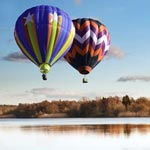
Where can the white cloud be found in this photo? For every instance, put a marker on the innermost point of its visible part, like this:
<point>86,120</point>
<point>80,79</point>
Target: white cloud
<point>115,52</point>
<point>55,93</point>
<point>36,95</point>
<point>134,78</point>
<point>39,94</point>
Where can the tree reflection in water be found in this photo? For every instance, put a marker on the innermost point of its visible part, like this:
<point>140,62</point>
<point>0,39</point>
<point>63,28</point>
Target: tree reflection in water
<point>116,130</point>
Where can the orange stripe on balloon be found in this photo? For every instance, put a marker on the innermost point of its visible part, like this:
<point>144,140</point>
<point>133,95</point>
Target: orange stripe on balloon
<point>85,24</point>
<point>35,33</point>
<point>58,29</point>
<point>95,25</point>
<point>102,28</point>
<point>83,52</point>
<point>50,17</point>
<point>100,54</point>
<point>27,35</point>
<point>81,27</point>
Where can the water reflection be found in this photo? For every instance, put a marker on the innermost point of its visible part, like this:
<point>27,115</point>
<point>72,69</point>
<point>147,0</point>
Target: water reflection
<point>126,129</point>
<point>27,136</point>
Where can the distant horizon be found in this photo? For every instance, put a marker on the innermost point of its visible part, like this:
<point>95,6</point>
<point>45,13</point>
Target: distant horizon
<point>71,99</point>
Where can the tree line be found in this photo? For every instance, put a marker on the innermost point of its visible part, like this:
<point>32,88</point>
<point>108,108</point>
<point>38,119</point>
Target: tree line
<point>99,107</point>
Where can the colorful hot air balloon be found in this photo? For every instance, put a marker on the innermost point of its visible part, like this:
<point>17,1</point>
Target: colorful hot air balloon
<point>44,34</point>
<point>90,45</point>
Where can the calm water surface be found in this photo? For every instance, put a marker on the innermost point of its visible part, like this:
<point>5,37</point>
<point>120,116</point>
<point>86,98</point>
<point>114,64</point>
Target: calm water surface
<point>75,134</point>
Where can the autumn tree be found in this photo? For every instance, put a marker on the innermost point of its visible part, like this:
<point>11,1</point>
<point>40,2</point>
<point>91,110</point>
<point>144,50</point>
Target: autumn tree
<point>126,101</point>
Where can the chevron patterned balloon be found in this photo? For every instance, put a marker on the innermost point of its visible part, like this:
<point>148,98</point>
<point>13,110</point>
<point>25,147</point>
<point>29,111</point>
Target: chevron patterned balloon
<point>90,45</point>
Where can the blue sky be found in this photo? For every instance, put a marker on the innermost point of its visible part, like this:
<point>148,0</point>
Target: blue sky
<point>125,70</point>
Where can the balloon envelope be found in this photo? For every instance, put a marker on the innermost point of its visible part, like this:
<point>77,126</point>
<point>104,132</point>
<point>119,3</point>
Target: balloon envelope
<point>90,45</point>
<point>44,34</point>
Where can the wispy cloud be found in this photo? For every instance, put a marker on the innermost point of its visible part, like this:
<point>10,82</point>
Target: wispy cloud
<point>54,93</point>
<point>115,52</point>
<point>19,57</point>
<point>15,56</point>
<point>40,94</point>
<point>134,78</point>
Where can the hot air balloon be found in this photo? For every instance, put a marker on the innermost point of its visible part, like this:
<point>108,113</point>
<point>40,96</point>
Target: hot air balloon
<point>44,34</point>
<point>90,45</point>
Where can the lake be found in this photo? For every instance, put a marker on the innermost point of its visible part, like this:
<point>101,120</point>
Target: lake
<point>75,134</point>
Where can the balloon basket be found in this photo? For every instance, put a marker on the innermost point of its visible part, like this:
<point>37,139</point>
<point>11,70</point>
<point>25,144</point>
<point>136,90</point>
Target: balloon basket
<point>44,76</point>
<point>84,80</point>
